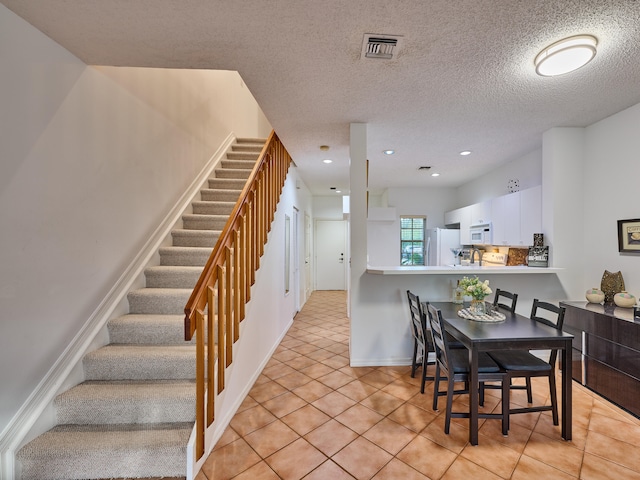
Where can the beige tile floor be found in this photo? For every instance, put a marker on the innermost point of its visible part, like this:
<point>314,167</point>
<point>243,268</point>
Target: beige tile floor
<point>310,415</point>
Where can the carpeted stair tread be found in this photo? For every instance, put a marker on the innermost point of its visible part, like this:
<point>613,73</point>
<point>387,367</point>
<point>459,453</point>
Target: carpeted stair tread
<point>239,164</point>
<point>204,222</point>
<point>244,155</point>
<point>245,140</point>
<point>144,329</point>
<point>195,238</point>
<point>141,362</point>
<point>226,183</point>
<point>107,451</point>
<point>221,194</point>
<point>127,402</point>
<point>163,301</point>
<point>188,256</point>
<point>257,148</point>
<point>213,208</point>
<point>234,173</point>
<point>171,276</point>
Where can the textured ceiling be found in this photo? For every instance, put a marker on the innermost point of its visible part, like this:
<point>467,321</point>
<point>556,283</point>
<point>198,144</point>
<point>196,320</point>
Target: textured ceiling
<point>463,79</point>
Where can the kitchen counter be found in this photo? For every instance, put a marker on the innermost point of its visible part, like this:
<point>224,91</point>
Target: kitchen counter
<point>460,270</point>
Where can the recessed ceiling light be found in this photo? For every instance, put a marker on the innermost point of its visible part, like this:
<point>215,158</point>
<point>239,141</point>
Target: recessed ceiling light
<point>435,174</point>
<point>566,55</point>
<point>338,191</point>
<point>388,152</point>
<point>465,153</point>
<point>327,160</point>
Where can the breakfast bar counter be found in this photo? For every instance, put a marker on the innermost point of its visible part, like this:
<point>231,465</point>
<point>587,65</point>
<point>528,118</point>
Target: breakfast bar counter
<point>460,269</point>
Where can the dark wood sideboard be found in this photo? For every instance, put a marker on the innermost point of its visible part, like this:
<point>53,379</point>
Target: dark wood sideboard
<point>606,351</point>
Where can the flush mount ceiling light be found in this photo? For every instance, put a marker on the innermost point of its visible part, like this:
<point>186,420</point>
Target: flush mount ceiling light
<point>566,55</point>
<point>435,174</point>
<point>327,160</point>
<point>465,153</point>
<point>388,152</point>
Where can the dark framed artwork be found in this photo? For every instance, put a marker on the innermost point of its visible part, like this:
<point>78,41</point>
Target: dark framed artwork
<point>629,235</point>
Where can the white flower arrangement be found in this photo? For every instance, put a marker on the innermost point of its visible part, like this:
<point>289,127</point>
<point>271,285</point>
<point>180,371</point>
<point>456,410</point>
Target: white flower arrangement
<point>475,288</point>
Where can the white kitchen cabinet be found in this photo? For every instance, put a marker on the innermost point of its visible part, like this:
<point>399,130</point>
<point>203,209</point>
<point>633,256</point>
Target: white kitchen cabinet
<point>481,213</point>
<point>505,214</point>
<point>516,217</point>
<point>530,214</point>
<point>460,217</point>
<point>452,218</point>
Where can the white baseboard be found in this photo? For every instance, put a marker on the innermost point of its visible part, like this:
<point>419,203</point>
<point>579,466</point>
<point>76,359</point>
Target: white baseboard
<point>380,362</point>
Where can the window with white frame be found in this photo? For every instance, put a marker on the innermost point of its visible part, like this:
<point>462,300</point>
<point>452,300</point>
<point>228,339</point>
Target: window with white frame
<point>412,229</point>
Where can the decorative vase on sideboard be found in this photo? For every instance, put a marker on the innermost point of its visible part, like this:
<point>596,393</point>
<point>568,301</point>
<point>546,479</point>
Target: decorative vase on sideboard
<point>612,283</point>
<point>595,295</point>
<point>624,299</point>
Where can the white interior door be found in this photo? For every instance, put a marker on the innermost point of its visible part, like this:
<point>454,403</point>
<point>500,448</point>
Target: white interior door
<point>331,255</point>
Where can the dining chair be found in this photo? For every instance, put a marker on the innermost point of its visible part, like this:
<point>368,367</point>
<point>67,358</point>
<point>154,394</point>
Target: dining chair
<point>524,364</point>
<point>510,304</point>
<point>454,365</point>
<point>421,339</point>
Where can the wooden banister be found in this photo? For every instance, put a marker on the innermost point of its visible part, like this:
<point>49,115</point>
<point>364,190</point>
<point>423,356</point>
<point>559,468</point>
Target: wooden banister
<point>224,287</point>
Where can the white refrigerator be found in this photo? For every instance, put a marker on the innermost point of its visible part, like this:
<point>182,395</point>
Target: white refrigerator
<point>440,241</point>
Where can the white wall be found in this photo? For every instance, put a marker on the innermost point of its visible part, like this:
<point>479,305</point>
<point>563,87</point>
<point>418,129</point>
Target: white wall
<point>526,169</point>
<point>92,161</point>
<point>327,207</point>
<point>611,185</point>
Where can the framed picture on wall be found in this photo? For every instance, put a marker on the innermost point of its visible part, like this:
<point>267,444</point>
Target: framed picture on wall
<point>629,235</point>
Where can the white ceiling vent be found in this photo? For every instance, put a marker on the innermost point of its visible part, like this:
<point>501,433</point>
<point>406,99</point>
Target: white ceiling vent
<point>381,46</point>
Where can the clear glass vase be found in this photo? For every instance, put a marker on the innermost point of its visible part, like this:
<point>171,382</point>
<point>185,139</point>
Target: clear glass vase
<point>478,307</point>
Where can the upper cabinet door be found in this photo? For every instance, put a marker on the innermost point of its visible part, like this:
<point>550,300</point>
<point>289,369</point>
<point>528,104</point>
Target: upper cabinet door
<point>481,213</point>
<point>462,218</point>
<point>505,214</point>
<point>530,214</point>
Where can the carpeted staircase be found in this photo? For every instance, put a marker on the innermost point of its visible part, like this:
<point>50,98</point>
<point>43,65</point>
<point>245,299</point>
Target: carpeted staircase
<point>133,415</point>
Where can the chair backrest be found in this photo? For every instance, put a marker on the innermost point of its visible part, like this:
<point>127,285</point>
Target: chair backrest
<point>550,315</point>
<point>440,343</point>
<point>510,306</point>
<point>417,319</point>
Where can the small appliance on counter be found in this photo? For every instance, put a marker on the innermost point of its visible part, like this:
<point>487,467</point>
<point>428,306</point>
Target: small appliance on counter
<point>494,259</point>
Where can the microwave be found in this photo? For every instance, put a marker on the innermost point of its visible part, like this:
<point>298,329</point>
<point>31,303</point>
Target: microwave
<point>481,234</point>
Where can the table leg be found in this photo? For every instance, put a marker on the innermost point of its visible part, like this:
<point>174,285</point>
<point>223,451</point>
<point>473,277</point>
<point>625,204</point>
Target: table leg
<point>473,396</point>
<point>567,393</point>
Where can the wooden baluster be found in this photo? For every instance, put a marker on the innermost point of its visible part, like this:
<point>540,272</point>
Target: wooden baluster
<point>211,355</point>
<point>227,308</point>
<point>200,440</point>
<point>221,329</point>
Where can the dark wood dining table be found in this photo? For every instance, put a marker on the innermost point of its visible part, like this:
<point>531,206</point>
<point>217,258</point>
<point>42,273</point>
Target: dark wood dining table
<point>516,332</point>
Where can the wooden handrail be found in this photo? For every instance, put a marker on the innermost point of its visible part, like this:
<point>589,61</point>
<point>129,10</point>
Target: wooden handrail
<point>224,286</point>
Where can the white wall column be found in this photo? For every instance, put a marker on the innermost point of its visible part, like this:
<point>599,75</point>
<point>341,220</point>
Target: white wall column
<point>357,229</point>
<point>563,205</point>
